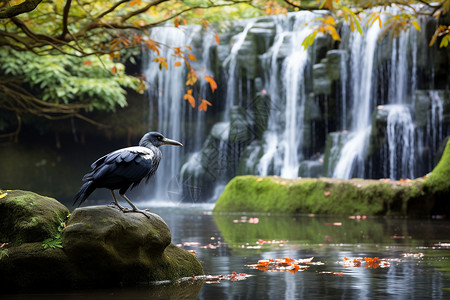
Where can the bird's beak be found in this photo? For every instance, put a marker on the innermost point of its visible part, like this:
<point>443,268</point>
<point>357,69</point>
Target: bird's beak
<point>167,141</point>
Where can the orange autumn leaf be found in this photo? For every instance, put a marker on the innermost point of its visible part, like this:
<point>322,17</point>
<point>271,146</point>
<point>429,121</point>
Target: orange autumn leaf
<point>114,70</point>
<point>188,96</point>
<point>162,62</point>
<point>217,38</point>
<point>177,23</point>
<point>192,78</point>
<point>212,82</point>
<point>204,105</point>
<point>177,64</point>
<point>87,63</point>
<point>192,57</point>
<point>135,2</point>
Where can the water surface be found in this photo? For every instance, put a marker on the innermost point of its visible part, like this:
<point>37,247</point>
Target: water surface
<point>228,243</point>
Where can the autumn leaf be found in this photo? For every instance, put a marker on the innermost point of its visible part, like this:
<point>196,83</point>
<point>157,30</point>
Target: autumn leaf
<point>162,62</point>
<point>114,69</point>
<point>192,78</point>
<point>333,33</point>
<point>177,23</point>
<point>189,98</point>
<point>177,64</point>
<point>212,83</point>
<point>204,105</point>
<point>135,2</point>
<point>87,63</point>
<point>217,38</point>
<point>416,25</point>
<point>192,57</point>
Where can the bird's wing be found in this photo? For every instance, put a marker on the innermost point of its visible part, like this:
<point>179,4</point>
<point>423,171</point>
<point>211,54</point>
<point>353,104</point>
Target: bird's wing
<point>128,164</point>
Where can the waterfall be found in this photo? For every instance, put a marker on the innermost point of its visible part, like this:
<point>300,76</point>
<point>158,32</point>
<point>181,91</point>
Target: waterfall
<point>166,93</point>
<point>362,110</point>
<point>230,64</point>
<point>400,135</point>
<point>362,54</point>
<point>283,139</point>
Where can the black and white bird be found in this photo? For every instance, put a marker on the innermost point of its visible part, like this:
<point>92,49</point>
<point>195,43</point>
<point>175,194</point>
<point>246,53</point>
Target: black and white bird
<point>125,168</point>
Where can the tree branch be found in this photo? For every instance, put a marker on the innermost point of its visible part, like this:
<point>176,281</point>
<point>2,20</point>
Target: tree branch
<point>66,11</point>
<point>18,9</point>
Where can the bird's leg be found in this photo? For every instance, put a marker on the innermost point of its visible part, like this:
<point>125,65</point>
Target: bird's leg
<point>117,203</point>
<point>133,207</point>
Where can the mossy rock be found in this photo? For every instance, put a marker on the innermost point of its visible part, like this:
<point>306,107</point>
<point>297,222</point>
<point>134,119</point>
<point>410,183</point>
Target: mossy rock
<point>27,217</point>
<point>320,196</point>
<point>108,246</point>
<point>419,197</point>
<point>101,246</point>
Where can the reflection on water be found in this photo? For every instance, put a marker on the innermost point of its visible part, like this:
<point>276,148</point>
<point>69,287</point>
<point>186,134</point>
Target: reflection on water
<point>227,243</point>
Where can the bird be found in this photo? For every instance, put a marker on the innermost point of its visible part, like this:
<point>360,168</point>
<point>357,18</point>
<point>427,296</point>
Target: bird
<point>125,168</point>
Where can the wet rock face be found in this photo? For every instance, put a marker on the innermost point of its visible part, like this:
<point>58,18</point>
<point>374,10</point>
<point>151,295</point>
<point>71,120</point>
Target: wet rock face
<point>100,246</point>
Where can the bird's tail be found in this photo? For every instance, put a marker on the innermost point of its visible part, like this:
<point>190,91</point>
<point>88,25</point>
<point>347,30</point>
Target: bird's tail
<point>84,192</point>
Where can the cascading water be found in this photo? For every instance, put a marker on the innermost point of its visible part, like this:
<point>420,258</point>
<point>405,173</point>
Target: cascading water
<point>167,92</point>
<point>281,103</point>
<point>400,135</point>
<point>351,161</point>
<point>284,136</point>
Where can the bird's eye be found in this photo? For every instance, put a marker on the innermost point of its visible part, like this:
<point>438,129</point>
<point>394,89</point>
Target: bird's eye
<point>160,138</point>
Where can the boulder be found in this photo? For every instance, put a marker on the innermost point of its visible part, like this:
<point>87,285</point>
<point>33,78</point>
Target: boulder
<point>99,246</point>
<point>27,217</point>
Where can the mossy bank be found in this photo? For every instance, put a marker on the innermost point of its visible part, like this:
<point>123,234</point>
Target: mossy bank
<point>425,196</point>
<point>43,247</point>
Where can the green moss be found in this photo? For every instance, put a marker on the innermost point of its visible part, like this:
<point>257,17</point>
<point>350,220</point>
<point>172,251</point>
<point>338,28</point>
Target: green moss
<point>438,181</point>
<point>422,196</point>
<point>322,196</point>
<point>29,217</point>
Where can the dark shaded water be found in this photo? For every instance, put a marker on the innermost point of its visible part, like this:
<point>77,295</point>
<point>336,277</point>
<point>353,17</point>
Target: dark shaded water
<point>229,243</point>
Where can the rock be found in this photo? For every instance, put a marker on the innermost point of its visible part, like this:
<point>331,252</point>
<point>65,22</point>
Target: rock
<point>239,126</point>
<point>419,197</point>
<point>124,247</point>
<point>321,80</point>
<point>100,246</point>
<point>310,168</point>
<point>28,217</point>
<point>334,63</point>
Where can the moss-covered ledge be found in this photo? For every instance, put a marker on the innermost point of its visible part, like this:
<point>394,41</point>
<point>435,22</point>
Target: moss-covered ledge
<point>420,197</point>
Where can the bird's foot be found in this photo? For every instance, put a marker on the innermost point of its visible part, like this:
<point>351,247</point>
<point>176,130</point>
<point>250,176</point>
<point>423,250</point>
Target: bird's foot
<point>114,204</point>
<point>145,212</point>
